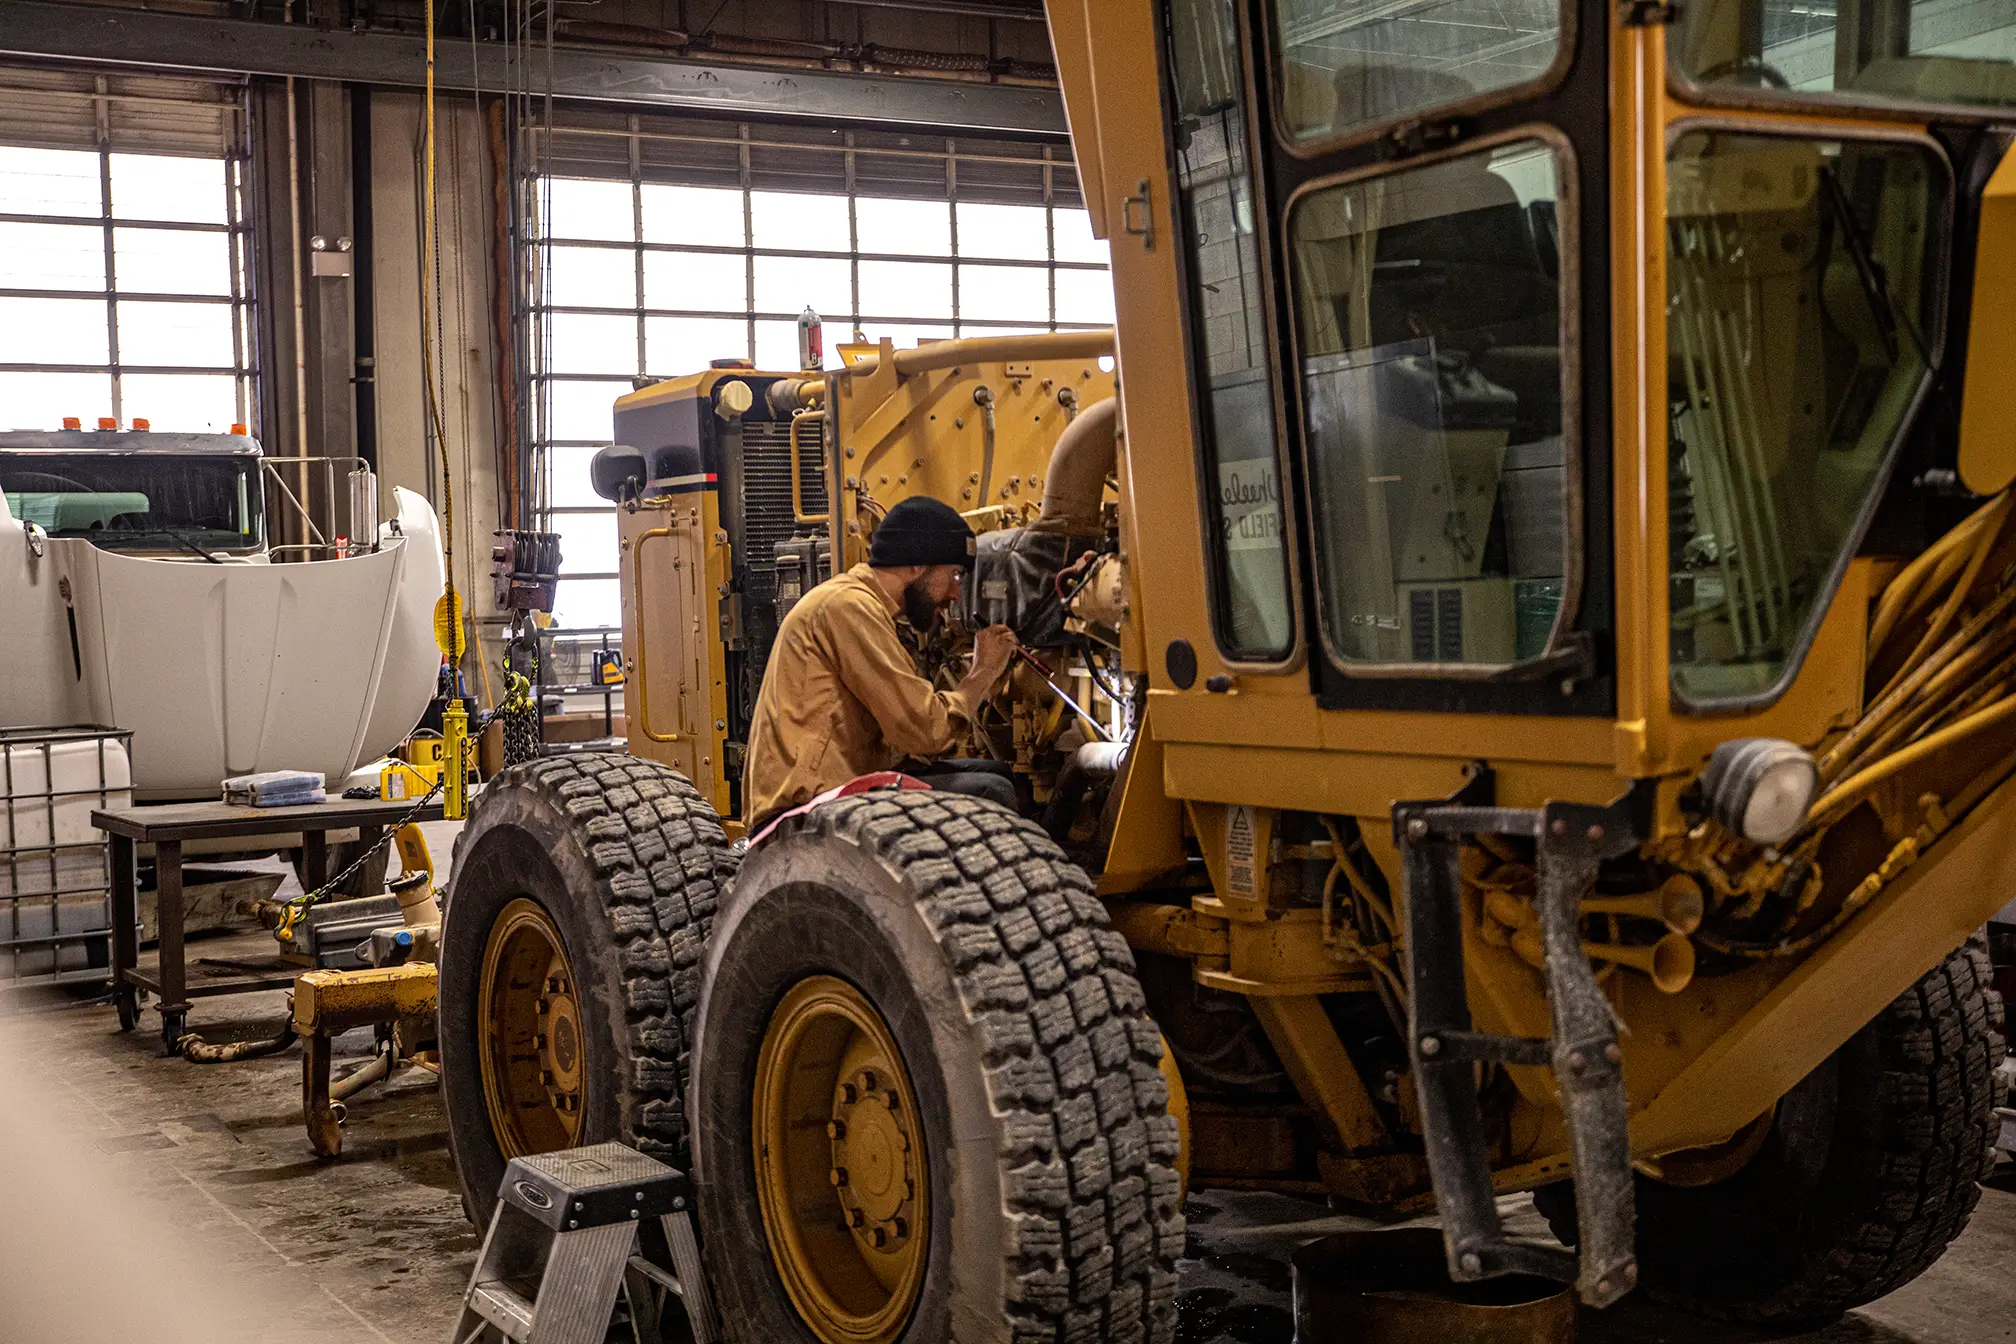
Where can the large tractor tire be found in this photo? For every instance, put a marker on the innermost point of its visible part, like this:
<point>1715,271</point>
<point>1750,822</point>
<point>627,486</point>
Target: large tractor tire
<point>571,952</point>
<point>927,1095</point>
<point>1870,1167</point>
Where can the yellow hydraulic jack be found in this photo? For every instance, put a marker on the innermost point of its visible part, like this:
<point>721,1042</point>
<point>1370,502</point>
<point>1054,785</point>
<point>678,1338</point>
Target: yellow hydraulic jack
<point>329,1003</point>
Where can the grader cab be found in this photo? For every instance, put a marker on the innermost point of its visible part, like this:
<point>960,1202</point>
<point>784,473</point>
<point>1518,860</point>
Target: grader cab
<point>1528,703</point>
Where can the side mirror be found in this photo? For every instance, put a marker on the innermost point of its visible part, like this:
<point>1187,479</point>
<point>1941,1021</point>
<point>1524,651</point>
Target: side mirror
<point>617,472</point>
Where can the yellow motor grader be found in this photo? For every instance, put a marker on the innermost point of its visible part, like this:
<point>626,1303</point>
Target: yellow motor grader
<point>1526,701</point>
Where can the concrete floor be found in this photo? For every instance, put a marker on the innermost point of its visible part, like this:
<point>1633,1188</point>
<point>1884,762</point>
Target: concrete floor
<point>373,1246</point>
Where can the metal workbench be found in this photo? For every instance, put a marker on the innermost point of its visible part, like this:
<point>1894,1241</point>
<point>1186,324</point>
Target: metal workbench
<point>166,828</point>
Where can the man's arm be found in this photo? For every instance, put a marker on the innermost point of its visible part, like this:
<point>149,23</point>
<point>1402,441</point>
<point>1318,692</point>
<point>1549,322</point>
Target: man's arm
<point>917,719</point>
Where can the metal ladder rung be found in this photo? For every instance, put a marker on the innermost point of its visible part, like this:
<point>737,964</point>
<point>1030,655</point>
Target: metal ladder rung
<point>658,1276</point>
<point>504,1307</point>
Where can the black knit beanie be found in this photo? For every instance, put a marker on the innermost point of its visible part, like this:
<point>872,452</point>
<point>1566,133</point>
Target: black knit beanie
<point>921,531</point>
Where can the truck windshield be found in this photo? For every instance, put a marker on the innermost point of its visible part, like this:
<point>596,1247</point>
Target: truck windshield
<point>1802,313</point>
<point>1952,53</point>
<point>142,501</point>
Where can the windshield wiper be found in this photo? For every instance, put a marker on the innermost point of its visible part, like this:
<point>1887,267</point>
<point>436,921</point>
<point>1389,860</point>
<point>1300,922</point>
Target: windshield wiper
<point>1881,306</point>
<point>188,542</point>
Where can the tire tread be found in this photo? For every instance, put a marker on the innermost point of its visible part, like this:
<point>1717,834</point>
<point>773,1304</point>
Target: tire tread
<point>1087,1141</point>
<point>663,866</point>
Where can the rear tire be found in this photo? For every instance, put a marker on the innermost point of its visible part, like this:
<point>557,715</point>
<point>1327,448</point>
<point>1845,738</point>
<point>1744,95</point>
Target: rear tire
<point>619,862</point>
<point>1050,1196</point>
<point>1871,1168</point>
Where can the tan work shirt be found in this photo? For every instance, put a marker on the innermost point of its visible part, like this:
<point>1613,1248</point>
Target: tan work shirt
<point>841,697</point>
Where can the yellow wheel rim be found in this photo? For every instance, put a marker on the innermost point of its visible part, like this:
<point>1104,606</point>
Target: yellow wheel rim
<point>841,1171</point>
<point>531,1046</point>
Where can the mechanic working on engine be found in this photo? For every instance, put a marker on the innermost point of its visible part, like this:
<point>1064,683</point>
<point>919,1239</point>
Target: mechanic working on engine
<point>842,696</point>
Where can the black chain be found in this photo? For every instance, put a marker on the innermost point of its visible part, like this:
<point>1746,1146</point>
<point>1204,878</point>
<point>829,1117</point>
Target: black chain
<point>335,883</point>
<point>521,735</point>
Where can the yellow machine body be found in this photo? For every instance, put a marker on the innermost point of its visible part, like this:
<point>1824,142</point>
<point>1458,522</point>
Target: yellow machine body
<point>1222,847</point>
<point>1223,761</point>
<point>884,435</point>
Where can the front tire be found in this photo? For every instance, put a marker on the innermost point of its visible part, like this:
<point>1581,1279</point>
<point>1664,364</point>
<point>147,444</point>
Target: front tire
<point>1871,1167</point>
<point>948,939</point>
<point>571,945</point>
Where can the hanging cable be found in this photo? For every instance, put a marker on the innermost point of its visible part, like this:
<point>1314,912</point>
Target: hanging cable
<point>433,353</point>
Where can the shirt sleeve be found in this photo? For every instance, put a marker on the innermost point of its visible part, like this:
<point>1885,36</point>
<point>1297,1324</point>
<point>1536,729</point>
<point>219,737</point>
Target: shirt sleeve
<point>916,718</point>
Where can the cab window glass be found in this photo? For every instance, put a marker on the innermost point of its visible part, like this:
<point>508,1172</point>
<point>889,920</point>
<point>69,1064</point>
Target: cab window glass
<point>1950,52</point>
<point>1348,66</point>
<point>1216,215</point>
<point>1801,308</point>
<point>1428,311</point>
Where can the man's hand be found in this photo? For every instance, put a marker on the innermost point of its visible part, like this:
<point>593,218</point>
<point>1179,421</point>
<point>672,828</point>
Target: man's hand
<point>992,650</point>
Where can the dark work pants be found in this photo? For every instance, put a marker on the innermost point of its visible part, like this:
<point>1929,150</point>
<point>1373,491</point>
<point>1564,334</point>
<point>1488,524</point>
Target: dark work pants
<point>979,778</point>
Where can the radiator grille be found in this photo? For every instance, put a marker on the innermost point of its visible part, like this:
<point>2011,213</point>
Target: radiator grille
<point>766,520</point>
<point>766,504</point>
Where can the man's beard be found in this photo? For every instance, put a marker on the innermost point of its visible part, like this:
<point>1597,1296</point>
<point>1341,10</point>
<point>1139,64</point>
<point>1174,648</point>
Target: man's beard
<point>919,608</point>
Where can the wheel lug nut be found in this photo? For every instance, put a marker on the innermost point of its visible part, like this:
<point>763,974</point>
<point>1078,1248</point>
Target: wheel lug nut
<point>838,1176</point>
<point>849,1094</point>
<point>880,1236</point>
<point>836,1130</point>
<point>856,1218</point>
<point>902,1228</point>
<point>891,1100</point>
<point>868,1079</point>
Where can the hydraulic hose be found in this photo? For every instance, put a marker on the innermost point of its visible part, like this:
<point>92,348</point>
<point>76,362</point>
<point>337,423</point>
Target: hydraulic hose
<point>198,1051</point>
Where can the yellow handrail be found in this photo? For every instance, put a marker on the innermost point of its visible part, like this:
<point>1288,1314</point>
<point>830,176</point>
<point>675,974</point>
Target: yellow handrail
<point>642,679</point>
<point>797,486</point>
<point>983,349</point>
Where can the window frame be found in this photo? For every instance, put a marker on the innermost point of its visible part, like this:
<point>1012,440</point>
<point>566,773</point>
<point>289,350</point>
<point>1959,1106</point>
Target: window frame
<point>1581,679</point>
<point>1202,448</point>
<point>1320,147</point>
<point>1939,272</point>
<point>1569,290</point>
<point>535,243</point>
<point>240,299</point>
<point>1694,93</point>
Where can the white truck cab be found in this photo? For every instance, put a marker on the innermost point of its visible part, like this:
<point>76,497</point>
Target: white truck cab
<point>140,588</point>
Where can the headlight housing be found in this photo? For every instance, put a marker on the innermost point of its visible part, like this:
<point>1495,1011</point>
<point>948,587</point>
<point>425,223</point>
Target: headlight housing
<point>1760,788</point>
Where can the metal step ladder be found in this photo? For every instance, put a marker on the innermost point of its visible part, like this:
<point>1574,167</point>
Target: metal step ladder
<point>572,1230</point>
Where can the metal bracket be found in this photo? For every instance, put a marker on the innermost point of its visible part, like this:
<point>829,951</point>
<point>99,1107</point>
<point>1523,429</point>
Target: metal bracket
<point>1647,14</point>
<point>1571,840</point>
<point>1144,200</point>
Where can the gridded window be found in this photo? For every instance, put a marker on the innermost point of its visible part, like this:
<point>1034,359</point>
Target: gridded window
<point>670,244</point>
<point>123,275</point>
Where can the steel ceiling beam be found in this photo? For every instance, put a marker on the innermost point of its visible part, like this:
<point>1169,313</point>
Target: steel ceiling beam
<point>164,41</point>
